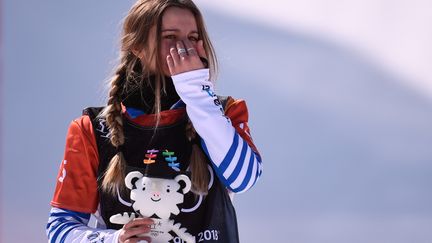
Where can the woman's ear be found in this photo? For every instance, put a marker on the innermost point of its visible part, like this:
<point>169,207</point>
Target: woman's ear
<point>131,178</point>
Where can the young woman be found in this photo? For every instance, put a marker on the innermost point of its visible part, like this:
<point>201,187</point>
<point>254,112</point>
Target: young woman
<point>157,163</point>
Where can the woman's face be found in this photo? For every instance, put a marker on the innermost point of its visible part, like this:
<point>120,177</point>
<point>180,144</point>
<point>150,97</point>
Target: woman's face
<point>178,24</point>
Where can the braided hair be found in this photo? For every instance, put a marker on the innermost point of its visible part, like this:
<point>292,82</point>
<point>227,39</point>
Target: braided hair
<point>114,176</point>
<point>146,16</point>
<point>198,163</point>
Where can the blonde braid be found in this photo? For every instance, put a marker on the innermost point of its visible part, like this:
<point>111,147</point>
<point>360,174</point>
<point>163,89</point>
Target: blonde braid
<point>198,163</point>
<point>114,176</point>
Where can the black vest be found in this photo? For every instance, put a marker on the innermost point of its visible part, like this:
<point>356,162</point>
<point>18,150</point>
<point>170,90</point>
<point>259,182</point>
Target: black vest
<point>209,218</point>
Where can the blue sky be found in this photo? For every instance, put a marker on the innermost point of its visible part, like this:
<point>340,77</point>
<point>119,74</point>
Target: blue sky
<point>345,135</point>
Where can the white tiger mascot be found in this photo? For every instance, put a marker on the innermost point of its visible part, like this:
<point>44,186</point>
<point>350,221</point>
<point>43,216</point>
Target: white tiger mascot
<point>156,196</point>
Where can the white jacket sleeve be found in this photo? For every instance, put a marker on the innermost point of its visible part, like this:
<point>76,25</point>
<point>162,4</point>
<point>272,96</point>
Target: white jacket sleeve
<point>236,164</point>
<point>69,226</point>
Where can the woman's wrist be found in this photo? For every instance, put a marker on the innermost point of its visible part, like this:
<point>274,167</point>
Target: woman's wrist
<point>198,74</point>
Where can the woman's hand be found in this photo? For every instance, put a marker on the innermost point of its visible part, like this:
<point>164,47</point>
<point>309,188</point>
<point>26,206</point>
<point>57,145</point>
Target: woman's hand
<point>130,233</point>
<point>185,57</point>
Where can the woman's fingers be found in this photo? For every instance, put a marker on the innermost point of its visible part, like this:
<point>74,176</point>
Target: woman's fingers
<point>138,221</point>
<point>181,49</point>
<point>190,48</point>
<point>175,56</point>
<point>170,63</point>
<point>136,227</point>
<point>183,58</point>
<point>133,232</point>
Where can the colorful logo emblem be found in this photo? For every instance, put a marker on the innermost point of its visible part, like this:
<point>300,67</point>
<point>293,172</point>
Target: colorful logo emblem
<point>150,156</point>
<point>169,157</point>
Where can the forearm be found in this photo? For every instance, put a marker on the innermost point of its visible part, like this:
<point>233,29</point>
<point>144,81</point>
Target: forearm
<point>69,226</point>
<point>236,164</point>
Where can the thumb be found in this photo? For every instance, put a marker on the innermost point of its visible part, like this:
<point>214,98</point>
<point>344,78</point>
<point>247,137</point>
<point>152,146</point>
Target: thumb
<point>201,50</point>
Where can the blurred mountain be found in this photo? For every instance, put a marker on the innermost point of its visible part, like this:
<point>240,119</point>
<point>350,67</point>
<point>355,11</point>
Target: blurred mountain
<point>345,144</point>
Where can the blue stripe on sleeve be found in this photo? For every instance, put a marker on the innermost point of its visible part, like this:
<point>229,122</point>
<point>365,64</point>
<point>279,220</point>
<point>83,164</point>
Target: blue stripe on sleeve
<point>59,229</point>
<point>61,220</point>
<point>81,215</point>
<point>248,174</point>
<point>258,157</point>
<point>63,239</point>
<point>217,170</point>
<point>258,173</point>
<point>239,165</point>
<point>254,158</point>
<point>260,170</point>
<point>227,160</point>
<point>68,214</point>
<point>204,146</point>
<point>51,227</point>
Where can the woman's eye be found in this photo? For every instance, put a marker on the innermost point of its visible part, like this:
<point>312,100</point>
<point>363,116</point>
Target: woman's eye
<point>170,37</point>
<point>168,190</point>
<point>193,39</point>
